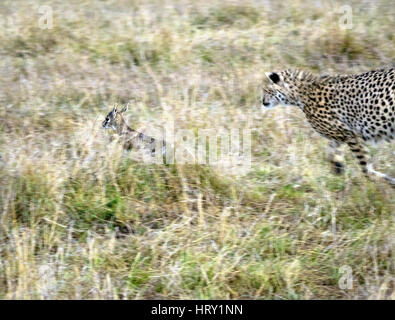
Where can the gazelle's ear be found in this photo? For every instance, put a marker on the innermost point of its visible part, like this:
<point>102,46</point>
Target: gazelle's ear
<point>273,77</point>
<point>115,110</point>
<point>124,109</point>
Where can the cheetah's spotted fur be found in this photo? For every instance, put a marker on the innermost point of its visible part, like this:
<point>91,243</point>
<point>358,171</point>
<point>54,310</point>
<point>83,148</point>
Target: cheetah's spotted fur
<point>350,109</point>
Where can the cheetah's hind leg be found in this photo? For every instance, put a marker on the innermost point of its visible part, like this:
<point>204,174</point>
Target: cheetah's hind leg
<point>381,175</point>
<point>361,154</point>
<point>336,157</point>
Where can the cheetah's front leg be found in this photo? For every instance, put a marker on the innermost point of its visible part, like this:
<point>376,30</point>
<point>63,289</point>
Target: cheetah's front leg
<point>361,154</point>
<point>336,157</point>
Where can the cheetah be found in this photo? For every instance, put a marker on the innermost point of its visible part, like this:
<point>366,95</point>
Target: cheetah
<point>346,109</point>
<point>130,137</point>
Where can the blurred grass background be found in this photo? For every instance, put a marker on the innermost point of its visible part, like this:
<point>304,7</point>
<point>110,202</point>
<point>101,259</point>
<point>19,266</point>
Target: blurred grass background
<point>79,220</point>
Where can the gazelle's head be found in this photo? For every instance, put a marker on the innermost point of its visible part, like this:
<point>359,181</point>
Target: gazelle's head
<point>111,120</point>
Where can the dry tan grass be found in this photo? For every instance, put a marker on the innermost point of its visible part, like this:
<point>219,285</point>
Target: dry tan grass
<point>80,220</point>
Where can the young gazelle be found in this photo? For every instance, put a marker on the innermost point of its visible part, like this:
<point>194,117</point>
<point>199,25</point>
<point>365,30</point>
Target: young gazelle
<point>131,138</point>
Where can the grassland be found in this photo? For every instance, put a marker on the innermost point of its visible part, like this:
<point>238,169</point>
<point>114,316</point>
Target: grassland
<point>80,220</point>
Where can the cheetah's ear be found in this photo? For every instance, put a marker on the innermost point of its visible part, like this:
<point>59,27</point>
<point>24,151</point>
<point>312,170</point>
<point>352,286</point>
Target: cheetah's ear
<point>124,109</point>
<point>273,77</point>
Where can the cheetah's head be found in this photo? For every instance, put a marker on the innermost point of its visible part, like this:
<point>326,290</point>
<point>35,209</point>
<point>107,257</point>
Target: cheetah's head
<point>274,93</point>
<point>282,88</point>
<point>111,120</point>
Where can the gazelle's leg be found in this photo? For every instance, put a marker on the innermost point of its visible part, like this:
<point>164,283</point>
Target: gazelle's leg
<point>336,158</point>
<point>361,154</point>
